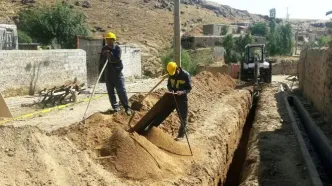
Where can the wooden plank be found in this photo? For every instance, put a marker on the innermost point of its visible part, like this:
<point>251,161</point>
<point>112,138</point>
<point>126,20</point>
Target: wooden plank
<point>4,110</point>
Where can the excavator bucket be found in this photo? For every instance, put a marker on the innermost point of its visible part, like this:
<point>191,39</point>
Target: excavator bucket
<point>4,110</point>
<point>157,114</point>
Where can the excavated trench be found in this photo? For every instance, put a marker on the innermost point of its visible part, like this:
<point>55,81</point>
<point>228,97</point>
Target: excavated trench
<point>235,170</point>
<point>104,153</point>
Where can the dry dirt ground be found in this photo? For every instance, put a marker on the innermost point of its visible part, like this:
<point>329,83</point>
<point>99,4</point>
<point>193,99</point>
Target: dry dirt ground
<point>101,152</point>
<point>67,116</point>
<point>273,157</point>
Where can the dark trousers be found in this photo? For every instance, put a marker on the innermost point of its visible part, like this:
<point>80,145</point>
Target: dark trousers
<point>115,81</point>
<point>182,104</point>
<point>183,113</point>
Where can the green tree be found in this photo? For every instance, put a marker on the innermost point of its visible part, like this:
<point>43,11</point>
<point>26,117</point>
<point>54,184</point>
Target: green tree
<point>241,43</point>
<point>323,41</point>
<point>48,23</point>
<point>23,37</point>
<point>186,62</point>
<point>285,41</point>
<point>259,29</point>
<point>228,45</point>
<point>224,30</point>
<point>279,39</point>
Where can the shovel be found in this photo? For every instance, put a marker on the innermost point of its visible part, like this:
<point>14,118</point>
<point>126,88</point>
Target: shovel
<point>138,105</point>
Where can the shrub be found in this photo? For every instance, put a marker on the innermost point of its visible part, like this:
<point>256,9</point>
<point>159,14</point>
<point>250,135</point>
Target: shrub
<point>186,61</point>
<point>58,23</point>
<point>23,37</point>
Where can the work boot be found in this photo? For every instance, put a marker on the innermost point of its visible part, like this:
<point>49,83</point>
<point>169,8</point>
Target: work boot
<point>116,110</point>
<point>128,111</point>
<point>179,138</point>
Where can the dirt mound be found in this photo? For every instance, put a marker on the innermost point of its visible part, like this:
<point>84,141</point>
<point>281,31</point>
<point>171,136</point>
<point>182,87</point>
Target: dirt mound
<point>30,157</point>
<point>96,130</point>
<point>148,102</point>
<point>133,156</point>
<point>167,143</point>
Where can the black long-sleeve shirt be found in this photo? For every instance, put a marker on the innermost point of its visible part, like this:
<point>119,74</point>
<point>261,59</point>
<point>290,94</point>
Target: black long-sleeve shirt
<point>114,58</point>
<point>180,82</point>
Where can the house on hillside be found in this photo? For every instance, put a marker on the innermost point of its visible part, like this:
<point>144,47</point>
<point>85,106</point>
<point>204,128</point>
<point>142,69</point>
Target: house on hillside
<point>194,42</point>
<point>217,29</point>
<point>8,37</point>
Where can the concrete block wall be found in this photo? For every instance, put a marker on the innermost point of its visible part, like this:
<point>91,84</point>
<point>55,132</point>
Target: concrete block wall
<point>131,58</point>
<point>41,68</point>
<point>132,62</point>
<point>315,74</point>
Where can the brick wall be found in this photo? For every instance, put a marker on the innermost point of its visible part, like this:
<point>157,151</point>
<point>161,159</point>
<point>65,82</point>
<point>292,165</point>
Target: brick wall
<point>40,68</point>
<point>315,74</point>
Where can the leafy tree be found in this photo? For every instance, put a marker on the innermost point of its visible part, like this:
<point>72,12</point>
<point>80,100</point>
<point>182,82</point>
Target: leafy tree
<point>259,29</point>
<point>279,39</point>
<point>241,43</point>
<point>186,61</point>
<point>228,45</point>
<point>323,41</point>
<point>24,37</point>
<point>48,23</point>
<point>224,30</point>
<point>285,42</point>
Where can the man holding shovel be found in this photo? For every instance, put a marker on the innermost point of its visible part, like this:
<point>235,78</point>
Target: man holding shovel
<point>179,84</point>
<point>114,78</point>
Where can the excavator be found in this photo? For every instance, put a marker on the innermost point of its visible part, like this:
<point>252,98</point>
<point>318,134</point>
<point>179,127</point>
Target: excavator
<point>254,68</point>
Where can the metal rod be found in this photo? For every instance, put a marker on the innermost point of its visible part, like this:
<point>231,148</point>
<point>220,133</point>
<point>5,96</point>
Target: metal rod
<point>94,89</point>
<point>181,121</point>
<point>177,33</point>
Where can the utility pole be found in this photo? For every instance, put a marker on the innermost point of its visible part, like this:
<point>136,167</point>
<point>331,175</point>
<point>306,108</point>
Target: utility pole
<point>287,16</point>
<point>296,39</point>
<point>177,33</point>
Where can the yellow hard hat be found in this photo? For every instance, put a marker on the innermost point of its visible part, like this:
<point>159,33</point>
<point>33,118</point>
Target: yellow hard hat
<point>110,35</point>
<point>171,68</point>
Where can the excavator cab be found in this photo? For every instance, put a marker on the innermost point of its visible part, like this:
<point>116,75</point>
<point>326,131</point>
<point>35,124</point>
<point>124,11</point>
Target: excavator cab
<point>254,68</point>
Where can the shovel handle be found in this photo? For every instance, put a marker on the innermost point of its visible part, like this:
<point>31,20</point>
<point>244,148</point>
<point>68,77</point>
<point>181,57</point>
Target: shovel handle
<point>163,78</point>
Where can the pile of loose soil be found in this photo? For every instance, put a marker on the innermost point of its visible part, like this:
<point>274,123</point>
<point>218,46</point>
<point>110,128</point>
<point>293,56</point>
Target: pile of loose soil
<point>31,157</point>
<point>136,157</point>
<point>133,156</point>
<point>167,143</point>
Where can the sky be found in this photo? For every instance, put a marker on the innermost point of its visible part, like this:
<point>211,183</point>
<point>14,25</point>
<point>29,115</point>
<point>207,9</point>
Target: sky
<point>298,9</point>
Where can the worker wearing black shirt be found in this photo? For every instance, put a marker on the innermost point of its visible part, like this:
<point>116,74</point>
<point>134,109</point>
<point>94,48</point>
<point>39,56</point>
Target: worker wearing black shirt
<point>113,73</point>
<point>179,83</point>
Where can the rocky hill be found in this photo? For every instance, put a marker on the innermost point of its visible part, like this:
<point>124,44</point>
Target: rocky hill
<point>144,23</point>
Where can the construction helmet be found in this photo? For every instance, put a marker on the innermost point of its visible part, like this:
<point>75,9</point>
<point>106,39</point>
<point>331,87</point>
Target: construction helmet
<point>171,68</point>
<point>110,35</point>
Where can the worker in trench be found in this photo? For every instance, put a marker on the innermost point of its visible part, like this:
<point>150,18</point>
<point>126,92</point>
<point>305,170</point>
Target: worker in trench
<point>114,78</point>
<point>179,84</point>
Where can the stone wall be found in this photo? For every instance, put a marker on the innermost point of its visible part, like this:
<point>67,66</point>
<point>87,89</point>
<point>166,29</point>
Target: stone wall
<point>315,74</point>
<point>282,66</point>
<point>41,68</point>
